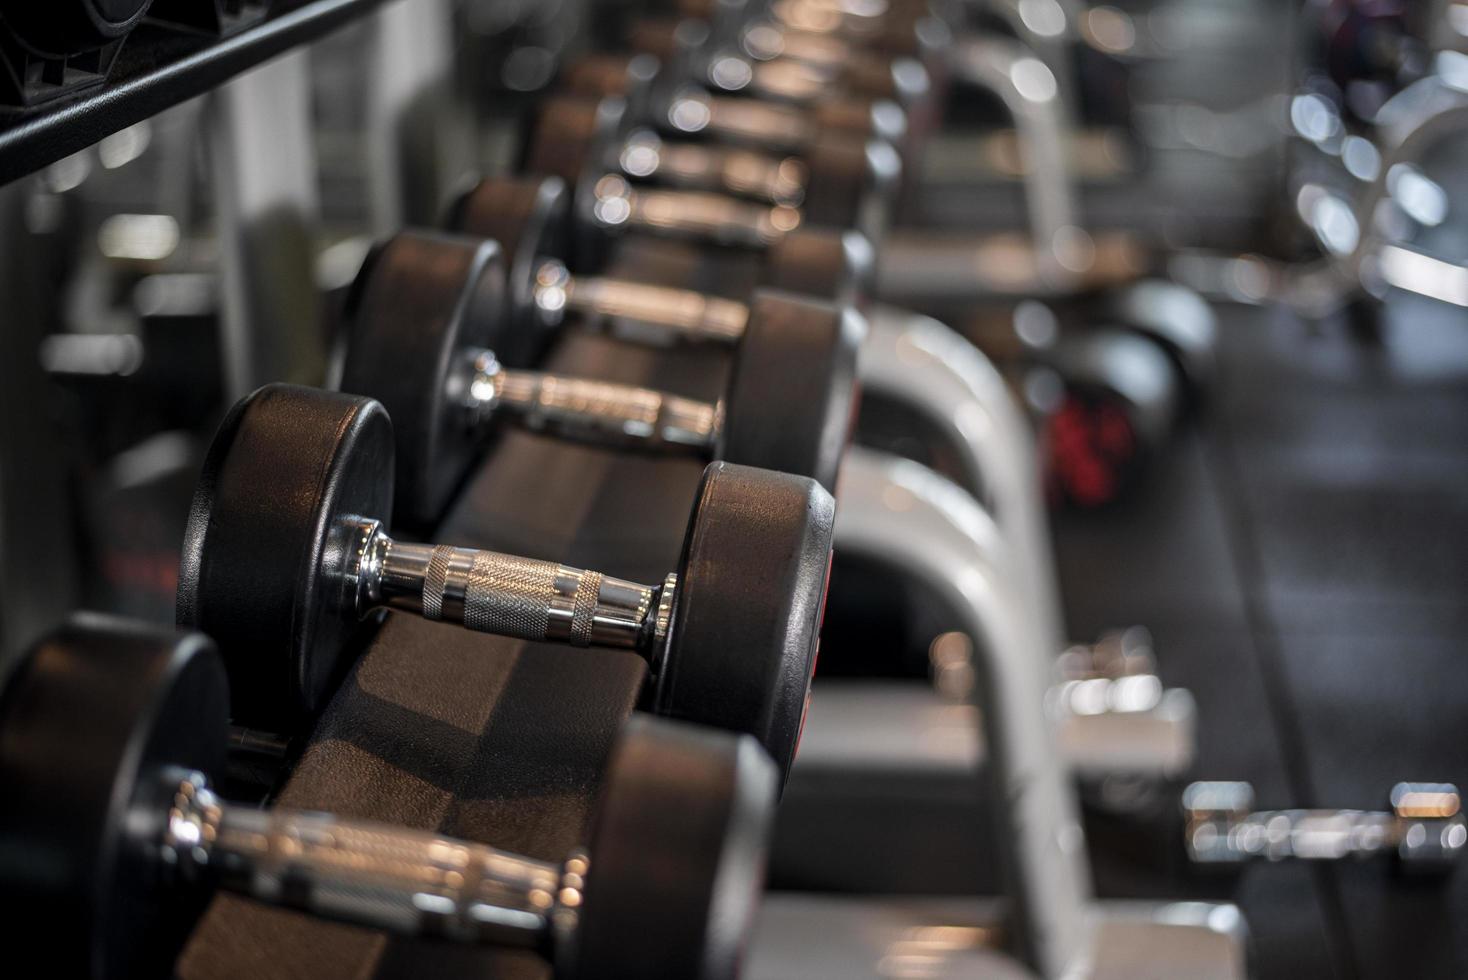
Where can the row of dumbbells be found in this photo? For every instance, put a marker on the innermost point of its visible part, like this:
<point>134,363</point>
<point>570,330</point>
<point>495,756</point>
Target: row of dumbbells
<point>288,552</point>
<point>289,549</point>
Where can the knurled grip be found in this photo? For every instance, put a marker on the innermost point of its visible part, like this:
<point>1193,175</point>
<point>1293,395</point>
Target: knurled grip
<point>583,608</point>
<point>778,180</point>
<point>410,882</point>
<point>692,314</point>
<point>581,408</point>
<point>758,122</point>
<point>509,596</point>
<point>548,398</point>
<point>722,218</point>
<point>435,581</point>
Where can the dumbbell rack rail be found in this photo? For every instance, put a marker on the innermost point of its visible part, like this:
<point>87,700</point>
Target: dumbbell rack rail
<point>159,67</point>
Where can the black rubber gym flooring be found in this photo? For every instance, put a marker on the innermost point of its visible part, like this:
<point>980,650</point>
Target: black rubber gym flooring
<point>1302,559</point>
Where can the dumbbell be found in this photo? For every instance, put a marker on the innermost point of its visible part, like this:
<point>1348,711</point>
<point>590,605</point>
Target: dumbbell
<point>852,190</point>
<point>678,107</point>
<point>771,177</point>
<point>845,181</point>
<point>287,550</point>
<point>895,28</point>
<point>530,217</point>
<point>757,63</point>
<point>784,57</point>
<point>112,837</point>
<point>424,325</point>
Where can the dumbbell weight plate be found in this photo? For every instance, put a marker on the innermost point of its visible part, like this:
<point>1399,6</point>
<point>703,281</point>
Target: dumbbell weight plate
<point>571,139</point>
<point>286,468</point>
<point>86,735</point>
<point>827,263</point>
<point>744,631</point>
<point>792,397</point>
<point>852,183</point>
<point>529,219</point>
<point>643,818</point>
<point>420,300</point>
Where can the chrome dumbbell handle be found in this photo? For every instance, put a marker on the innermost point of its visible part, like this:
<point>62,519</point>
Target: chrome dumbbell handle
<point>826,17</point>
<point>766,40</point>
<point>790,80</point>
<point>506,595</point>
<point>774,179</point>
<point>681,313</point>
<point>595,411</point>
<point>694,214</point>
<point>405,881</point>
<point>1425,827</point>
<point>747,121</point>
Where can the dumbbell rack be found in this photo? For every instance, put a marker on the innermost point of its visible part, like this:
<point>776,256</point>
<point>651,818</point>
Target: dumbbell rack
<point>489,739</point>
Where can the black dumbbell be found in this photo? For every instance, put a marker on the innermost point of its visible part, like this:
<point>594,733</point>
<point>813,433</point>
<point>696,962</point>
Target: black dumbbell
<point>583,141</point>
<point>425,323</point>
<point>762,65</point>
<point>112,839</point>
<point>643,154</point>
<point>782,56</point>
<point>675,106</point>
<point>532,218</point>
<point>905,59</point>
<point>287,550</point>
<point>884,27</point>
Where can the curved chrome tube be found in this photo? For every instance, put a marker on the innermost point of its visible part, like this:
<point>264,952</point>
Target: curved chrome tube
<point>918,362</point>
<point>1001,66</point>
<point>1056,245</point>
<point>1409,124</point>
<point>904,516</point>
<point>1051,29</point>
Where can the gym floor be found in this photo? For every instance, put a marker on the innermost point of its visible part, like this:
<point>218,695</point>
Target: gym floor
<point>1301,558</point>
